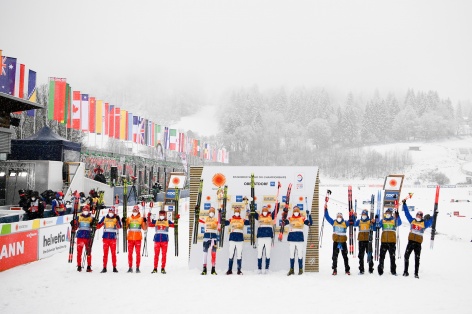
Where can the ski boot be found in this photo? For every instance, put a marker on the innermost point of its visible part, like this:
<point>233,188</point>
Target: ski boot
<point>405,274</point>
<point>154,271</point>
<point>229,272</point>
<point>89,269</point>
<point>213,271</point>
<point>291,272</point>
<point>300,271</point>
<point>79,268</point>
<point>130,270</point>
<point>259,271</point>
<point>240,272</point>
<point>394,273</point>
<point>348,273</point>
<point>163,271</point>
<point>104,270</point>
<point>204,272</point>
<point>371,270</point>
<point>416,276</point>
<point>335,272</point>
<point>266,272</point>
<point>115,270</point>
<point>381,271</point>
<point>137,270</point>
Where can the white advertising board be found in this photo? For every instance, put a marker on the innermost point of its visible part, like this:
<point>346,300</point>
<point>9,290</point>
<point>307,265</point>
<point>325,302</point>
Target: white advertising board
<point>238,180</point>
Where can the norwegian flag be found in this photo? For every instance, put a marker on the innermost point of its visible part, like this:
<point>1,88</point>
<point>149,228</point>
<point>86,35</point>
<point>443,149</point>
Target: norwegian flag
<point>142,131</point>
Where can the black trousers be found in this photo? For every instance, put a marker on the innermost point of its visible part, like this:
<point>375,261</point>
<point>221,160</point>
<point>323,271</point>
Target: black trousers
<point>416,247</point>
<point>343,246</point>
<point>363,246</point>
<point>390,247</point>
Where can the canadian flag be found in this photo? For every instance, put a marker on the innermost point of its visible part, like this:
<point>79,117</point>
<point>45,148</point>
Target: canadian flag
<point>76,110</point>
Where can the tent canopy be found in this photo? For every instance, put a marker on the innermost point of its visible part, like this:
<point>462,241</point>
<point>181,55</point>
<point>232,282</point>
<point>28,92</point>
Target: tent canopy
<point>44,145</point>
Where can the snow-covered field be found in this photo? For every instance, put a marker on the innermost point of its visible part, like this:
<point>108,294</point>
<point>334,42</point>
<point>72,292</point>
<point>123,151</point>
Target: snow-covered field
<point>54,286</point>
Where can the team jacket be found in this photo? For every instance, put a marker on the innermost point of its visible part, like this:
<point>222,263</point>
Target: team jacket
<point>388,229</point>
<point>58,206</point>
<point>296,225</point>
<point>35,206</point>
<point>416,227</point>
<point>161,228</point>
<point>111,227</point>
<point>134,225</point>
<point>266,223</point>
<point>364,229</point>
<point>236,228</point>
<point>84,224</point>
<point>211,228</point>
<point>339,228</point>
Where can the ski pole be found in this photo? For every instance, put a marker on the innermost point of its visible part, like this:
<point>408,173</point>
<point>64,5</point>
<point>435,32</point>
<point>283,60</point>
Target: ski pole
<point>328,194</point>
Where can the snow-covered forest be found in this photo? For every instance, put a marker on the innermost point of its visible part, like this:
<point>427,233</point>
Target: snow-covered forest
<point>306,126</point>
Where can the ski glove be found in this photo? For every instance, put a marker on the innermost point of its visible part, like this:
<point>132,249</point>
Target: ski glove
<point>123,220</point>
<point>117,218</point>
<point>144,219</point>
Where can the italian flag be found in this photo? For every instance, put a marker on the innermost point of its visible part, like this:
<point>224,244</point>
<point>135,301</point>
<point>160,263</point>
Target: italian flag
<point>173,139</point>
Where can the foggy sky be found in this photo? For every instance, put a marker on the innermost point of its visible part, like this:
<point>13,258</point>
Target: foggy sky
<point>218,45</point>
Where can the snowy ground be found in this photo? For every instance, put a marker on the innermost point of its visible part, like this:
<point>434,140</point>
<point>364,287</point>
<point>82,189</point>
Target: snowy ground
<point>54,286</point>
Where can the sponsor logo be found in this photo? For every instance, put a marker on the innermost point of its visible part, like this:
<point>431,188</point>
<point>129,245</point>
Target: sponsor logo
<point>390,196</point>
<point>272,183</point>
<point>12,249</point>
<point>269,198</point>
<point>170,193</point>
<point>257,183</point>
<point>299,178</point>
<point>300,206</point>
<point>54,239</point>
<point>239,198</point>
<point>30,235</point>
<point>206,206</point>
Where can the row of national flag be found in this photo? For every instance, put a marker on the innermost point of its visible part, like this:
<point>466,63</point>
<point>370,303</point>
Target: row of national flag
<point>16,80</point>
<point>87,113</point>
<point>84,112</point>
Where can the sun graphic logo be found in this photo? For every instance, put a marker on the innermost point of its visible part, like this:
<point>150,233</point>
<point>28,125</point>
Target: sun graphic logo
<point>393,183</point>
<point>176,181</point>
<point>219,179</point>
<point>299,178</point>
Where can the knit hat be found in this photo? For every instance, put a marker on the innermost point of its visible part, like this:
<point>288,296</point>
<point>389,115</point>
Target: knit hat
<point>162,211</point>
<point>339,214</point>
<point>111,210</point>
<point>237,209</point>
<point>296,209</point>
<point>135,208</point>
<point>389,210</point>
<point>265,208</point>
<point>364,212</point>
<point>212,209</point>
<point>419,213</point>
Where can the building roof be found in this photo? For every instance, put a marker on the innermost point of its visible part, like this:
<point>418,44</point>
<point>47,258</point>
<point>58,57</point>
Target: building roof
<point>10,104</point>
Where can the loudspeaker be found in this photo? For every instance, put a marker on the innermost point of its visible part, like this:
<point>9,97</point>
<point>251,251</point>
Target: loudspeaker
<point>114,173</point>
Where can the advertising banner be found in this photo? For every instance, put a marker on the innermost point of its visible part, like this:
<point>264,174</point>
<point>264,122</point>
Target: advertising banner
<point>238,181</point>
<point>18,248</point>
<point>53,240</point>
